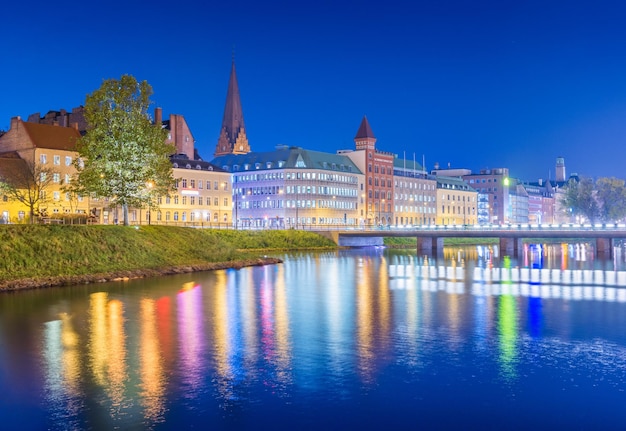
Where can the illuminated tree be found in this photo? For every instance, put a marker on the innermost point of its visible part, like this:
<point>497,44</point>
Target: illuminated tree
<point>123,155</point>
<point>601,201</point>
<point>27,182</point>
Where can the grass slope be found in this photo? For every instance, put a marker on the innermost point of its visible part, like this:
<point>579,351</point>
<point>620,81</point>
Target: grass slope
<point>33,251</point>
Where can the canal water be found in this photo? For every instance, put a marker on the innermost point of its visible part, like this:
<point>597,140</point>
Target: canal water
<point>369,338</point>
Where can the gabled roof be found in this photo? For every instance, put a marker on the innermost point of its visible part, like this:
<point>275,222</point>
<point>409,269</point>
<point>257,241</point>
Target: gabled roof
<point>365,131</point>
<point>52,137</point>
<point>12,167</point>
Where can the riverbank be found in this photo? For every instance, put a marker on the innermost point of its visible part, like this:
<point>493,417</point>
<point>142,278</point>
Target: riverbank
<point>37,256</point>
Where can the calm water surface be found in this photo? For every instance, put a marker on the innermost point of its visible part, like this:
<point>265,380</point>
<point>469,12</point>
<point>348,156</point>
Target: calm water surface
<point>368,338</point>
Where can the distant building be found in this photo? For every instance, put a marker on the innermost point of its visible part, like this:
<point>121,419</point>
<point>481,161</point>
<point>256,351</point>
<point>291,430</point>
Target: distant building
<point>232,139</point>
<point>456,201</point>
<point>75,118</point>
<point>415,194</point>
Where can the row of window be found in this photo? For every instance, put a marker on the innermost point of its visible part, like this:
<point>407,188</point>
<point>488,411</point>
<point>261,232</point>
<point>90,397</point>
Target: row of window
<point>56,160</point>
<point>458,198</point>
<point>201,183</point>
<point>418,186</point>
<point>193,216</point>
<point>382,169</point>
<point>192,200</point>
<point>457,210</point>
<point>414,209</point>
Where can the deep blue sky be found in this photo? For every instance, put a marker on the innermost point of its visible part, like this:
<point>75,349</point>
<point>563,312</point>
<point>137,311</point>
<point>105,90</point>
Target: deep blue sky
<point>476,84</point>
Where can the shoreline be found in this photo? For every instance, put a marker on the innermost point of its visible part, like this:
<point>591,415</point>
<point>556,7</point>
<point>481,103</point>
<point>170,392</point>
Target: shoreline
<point>60,281</point>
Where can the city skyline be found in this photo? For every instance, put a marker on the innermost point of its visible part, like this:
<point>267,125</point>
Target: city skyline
<point>474,86</point>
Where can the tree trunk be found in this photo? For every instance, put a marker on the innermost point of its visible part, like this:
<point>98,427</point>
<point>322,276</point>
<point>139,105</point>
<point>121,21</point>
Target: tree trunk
<point>125,214</point>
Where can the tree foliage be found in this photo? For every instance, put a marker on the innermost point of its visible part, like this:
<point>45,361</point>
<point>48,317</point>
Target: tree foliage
<point>123,155</point>
<point>28,183</point>
<point>603,200</point>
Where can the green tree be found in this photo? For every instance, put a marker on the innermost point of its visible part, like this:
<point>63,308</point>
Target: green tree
<point>123,155</point>
<point>27,182</point>
<point>611,197</point>
<point>579,199</point>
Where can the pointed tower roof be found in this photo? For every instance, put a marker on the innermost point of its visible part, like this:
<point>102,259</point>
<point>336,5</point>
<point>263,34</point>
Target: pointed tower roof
<point>233,136</point>
<point>365,131</point>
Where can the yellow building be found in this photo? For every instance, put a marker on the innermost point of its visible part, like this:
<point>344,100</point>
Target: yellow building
<point>456,202</point>
<point>45,153</point>
<point>203,196</point>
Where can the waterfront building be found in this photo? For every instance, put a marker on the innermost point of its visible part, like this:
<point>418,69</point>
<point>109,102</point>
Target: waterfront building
<point>541,202</point>
<point>377,166</point>
<point>456,202</point>
<point>414,193</point>
<point>203,196</point>
<point>24,148</point>
<point>291,187</point>
<point>494,183</point>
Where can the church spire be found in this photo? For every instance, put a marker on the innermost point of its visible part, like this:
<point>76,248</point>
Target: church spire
<point>232,138</point>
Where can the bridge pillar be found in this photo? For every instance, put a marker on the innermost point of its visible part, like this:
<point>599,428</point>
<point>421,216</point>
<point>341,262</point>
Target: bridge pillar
<point>604,246</point>
<point>512,247</point>
<point>430,245</point>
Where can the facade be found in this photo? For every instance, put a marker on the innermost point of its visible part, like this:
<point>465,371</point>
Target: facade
<point>456,202</point>
<point>377,166</point>
<point>541,202</point>
<point>294,188</point>
<point>415,194</point>
<point>178,133</point>
<point>494,183</point>
<point>203,196</point>
<point>48,146</point>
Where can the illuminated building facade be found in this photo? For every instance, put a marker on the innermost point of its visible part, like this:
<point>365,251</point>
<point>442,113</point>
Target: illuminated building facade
<point>377,166</point>
<point>27,146</point>
<point>457,202</point>
<point>415,194</point>
<point>293,188</point>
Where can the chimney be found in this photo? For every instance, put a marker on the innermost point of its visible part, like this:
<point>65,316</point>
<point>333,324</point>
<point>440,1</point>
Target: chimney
<point>14,122</point>
<point>158,116</point>
<point>75,126</point>
<point>540,182</point>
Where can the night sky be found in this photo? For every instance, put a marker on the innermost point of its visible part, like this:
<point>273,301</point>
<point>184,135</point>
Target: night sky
<point>472,84</point>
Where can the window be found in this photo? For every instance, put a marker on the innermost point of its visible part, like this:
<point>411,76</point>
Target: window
<point>216,202</point>
<point>192,184</point>
<point>42,177</point>
<point>175,215</point>
<point>215,185</point>
<point>43,159</point>
<point>56,178</point>
<point>200,184</point>
<point>176,200</point>
<point>68,160</point>
<point>57,196</point>
<point>67,178</point>
<point>225,202</point>
<point>184,183</point>
<point>199,200</point>
<point>184,200</point>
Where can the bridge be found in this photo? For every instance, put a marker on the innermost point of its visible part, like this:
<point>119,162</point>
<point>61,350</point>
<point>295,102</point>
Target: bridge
<point>429,238</point>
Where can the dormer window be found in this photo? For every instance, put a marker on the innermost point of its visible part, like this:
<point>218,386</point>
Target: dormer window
<point>257,166</point>
<point>175,165</point>
<point>235,168</point>
<point>268,165</point>
<point>198,167</point>
<point>188,166</point>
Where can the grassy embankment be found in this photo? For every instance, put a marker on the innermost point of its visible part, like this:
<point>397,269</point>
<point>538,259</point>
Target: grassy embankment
<point>38,256</point>
<point>411,242</point>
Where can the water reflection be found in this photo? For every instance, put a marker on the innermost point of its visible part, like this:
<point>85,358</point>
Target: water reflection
<point>324,331</point>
